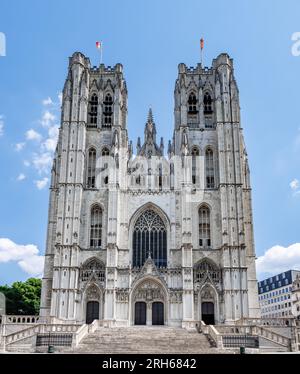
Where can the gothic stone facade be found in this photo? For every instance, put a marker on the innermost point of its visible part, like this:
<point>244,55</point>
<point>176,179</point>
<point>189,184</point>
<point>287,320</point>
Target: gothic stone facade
<point>159,237</point>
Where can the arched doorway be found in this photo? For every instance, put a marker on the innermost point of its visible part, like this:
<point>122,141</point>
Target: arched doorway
<point>149,303</point>
<point>157,313</point>
<point>208,313</point>
<point>140,313</point>
<point>92,311</point>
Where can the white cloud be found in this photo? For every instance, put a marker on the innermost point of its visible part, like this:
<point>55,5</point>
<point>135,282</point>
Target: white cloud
<point>50,143</point>
<point>279,259</point>
<point>46,140</point>
<point>42,162</point>
<point>33,265</point>
<point>41,183</point>
<point>21,177</point>
<point>27,256</point>
<point>33,135</point>
<point>47,119</point>
<point>19,146</point>
<point>294,184</point>
<point>1,125</point>
<point>47,101</point>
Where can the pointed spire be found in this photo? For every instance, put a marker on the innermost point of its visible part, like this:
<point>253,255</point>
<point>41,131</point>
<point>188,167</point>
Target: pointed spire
<point>162,145</point>
<point>169,149</point>
<point>138,145</point>
<point>130,149</point>
<point>150,115</point>
<point>150,130</point>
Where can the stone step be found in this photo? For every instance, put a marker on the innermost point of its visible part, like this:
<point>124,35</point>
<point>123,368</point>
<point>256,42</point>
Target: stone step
<point>145,339</point>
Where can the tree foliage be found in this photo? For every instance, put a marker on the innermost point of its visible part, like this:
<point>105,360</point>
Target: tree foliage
<point>23,297</point>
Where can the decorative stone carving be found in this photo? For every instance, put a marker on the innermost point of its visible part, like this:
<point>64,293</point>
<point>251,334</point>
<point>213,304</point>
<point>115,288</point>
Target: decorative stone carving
<point>207,294</point>
<point>122,295</point>
<point>149,268</point>
<point>149,291</point>
<point>92,293</point>
<point>176,296</point>
<point>93,269</point>
<point>206,271</point>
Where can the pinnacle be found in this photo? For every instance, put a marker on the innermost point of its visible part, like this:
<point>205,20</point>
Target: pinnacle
<point>150,115</point>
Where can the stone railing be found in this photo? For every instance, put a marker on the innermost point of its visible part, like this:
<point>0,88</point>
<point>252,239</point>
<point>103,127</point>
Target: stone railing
<point>94,325</point>
<point>216,336</point>
<point>80,334</point>
<point>221,335</point>
<point>235,329</point>
<point>83,331</point>
<point>272,336</point>
<point>280,321</point>
<point>22,319</point>
<point>212,333</point>
<point>39,329</point>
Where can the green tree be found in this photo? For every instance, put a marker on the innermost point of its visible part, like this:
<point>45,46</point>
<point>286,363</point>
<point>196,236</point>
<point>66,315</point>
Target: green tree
<point>23,297</point>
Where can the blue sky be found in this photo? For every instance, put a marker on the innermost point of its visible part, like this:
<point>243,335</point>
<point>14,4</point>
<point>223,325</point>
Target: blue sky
<point>149,38</point>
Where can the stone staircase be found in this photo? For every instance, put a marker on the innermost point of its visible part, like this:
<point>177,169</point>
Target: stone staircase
<point>145,339</point>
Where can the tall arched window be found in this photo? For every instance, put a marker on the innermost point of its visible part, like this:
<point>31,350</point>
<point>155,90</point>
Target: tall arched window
<point>93,111</point>
<point>149,240</point>
<point>96,227</point>
<point>195,153</point>
<point>207,101</point>
<point>107,111</point>
<point>204,227</point>
<point>209,168</point>
<point>192,104</point>
<point>91,169</point>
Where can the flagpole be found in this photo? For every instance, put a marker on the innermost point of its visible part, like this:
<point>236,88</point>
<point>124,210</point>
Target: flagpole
<point>101,46</point>
<point>201,50</point>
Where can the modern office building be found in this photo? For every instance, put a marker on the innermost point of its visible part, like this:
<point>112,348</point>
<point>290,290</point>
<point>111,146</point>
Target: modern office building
<point>275,294</point>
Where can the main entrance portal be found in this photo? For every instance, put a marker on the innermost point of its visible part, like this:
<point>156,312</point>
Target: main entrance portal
<point>149,302</point>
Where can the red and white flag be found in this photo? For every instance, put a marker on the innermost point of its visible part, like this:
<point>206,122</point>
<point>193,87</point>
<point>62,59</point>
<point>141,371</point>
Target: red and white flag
<point>201,43</point>
<point>98,45</point>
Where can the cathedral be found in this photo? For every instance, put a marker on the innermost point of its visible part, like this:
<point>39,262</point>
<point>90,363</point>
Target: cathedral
<point>154,235</point>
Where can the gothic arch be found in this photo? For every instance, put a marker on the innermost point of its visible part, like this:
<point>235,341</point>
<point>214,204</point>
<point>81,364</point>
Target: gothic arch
<point>207,87</point>
<point>92,270</point>
<point>92,293</point>
<point>108,88</point>
<point>148,289</point>
<point>137,214</point>
<point>146,206</point>
<point>208,294</point>
<point>94,87</point>
<point>206,270</point>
